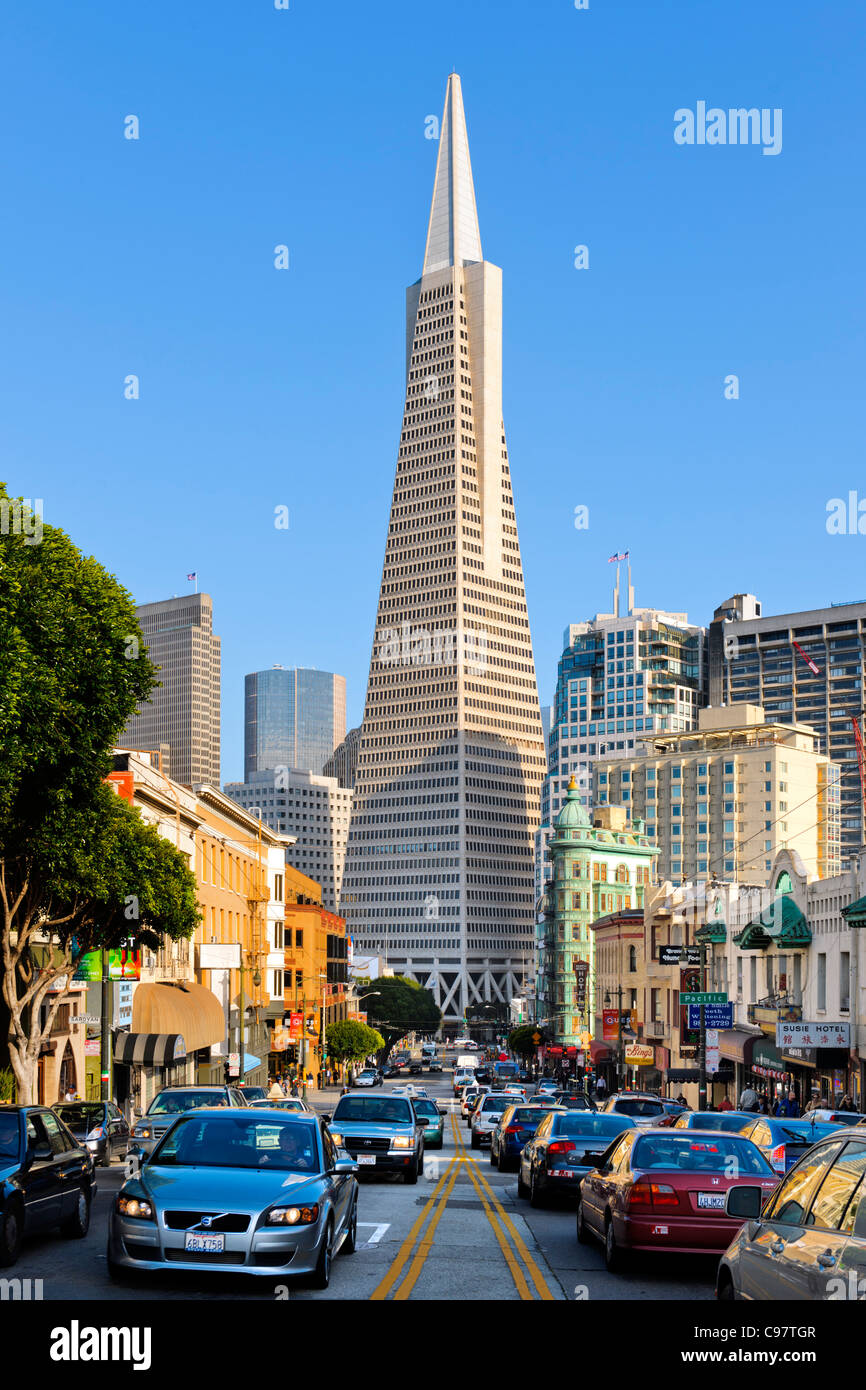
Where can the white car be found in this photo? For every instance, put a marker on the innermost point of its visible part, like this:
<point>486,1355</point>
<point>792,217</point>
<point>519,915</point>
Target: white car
<point>463,1076</point>
<point>467,1098</point>
<point>409,1090</point>
<point>367,1078</point>
<point>487,1115</point>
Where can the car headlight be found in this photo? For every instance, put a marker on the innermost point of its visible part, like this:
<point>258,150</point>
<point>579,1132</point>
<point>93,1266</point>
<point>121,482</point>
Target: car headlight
<point>143,1132</point>
<point>337,1138</point>
<point>96,1133</point>
<point>134,1206</point>
<point>293,1216</point>
<point>402,1141</point>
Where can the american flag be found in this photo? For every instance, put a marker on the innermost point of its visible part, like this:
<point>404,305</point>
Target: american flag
<point>613,558</point>
<point>193,575</point>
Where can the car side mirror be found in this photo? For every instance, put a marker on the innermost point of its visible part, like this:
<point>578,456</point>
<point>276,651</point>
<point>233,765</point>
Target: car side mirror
<point>326,1119</point>
<point>744,1202</point>
<point>138,1112</point>
<point>345,1167</point>
<point>37,1153</point>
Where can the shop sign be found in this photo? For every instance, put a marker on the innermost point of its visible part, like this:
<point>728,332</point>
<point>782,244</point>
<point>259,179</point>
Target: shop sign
<point>640,1055</point>
<point>813,1035</point>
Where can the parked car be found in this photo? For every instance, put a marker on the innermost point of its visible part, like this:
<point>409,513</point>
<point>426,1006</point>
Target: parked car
<point>725,1120</point>
<point>46,1178</point>
<point>783,1141</point>
<point>382,1132</point>
<point>293,1104</point>
<point>664,1190</point>
<point>368,1077</point>
<point>808,1242</point>
<point>565,1146</point>
<point>516,1127</point>
<point>98,1125</point>
<point>645,1110</point>
<point>434,1122</point>
<point>176,1100</point>
<point>485,1116</point>
<point>238,1190</point>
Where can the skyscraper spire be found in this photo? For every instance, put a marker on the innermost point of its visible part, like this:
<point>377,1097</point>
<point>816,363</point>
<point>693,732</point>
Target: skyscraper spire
<point>453,237</point>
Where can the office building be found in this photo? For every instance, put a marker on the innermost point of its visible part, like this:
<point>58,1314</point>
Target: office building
<point>293,717</point>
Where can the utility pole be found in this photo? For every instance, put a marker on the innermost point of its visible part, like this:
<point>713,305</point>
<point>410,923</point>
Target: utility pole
<point>107,1011</point>
<point>702,1075</point>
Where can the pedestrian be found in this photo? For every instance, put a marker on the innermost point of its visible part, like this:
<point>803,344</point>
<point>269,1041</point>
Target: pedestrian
<point>788,1106</point>
<point>749,1099</point>
<point>600,1089</point>
<point>319,1081</point>
<point>763,1104</point>
<point>845,1104</point>
<point>276,1091</point>
<point>725,1104</point>
<point>681,1100</point>
<point>294,1088</point>
<point>284,1086</point>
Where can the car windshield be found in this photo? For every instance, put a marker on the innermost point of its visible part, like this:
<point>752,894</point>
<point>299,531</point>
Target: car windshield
<point>427,1107</point>
<point>239,1140</point>
<point>176,1102</point>
<point>527,1115</point>
<point>802,1132</point>
<point>374,1110</point>
<point>494,1105</point>
<point>637,1106</point>
<point>588,1122</point>
<point>10,1134</point>
<point>726,1154</point>
<point>79,1116</point>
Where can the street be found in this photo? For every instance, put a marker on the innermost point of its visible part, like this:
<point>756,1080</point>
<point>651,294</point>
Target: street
<point>461,1234</point>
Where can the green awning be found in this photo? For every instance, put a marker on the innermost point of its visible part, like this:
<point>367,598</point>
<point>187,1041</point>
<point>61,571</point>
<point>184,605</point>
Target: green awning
<point>855,913</point>
<point>713,934</point>
<point>781,922</point>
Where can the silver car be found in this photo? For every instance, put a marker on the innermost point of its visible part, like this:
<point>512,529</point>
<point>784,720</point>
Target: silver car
<point>173,1101</point>
<point>245,1191</point>
<point>809,1240</point>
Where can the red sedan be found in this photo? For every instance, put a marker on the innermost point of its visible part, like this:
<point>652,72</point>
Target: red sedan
<point>664,1190</point>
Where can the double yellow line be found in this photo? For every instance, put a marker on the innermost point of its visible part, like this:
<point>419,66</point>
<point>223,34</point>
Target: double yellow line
<point>417,1246</point>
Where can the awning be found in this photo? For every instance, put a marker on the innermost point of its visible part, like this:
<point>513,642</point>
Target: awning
<point>737,1043</point>
<point>149,1049</point>
<point>766,1060</point>
<point>251,1062</point>
<point>599,1052</point>
<point>186,1008</point>
<point>780,924</point>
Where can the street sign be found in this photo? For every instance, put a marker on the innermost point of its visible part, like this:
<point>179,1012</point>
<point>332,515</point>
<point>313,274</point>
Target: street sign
<point>715,1016</point>
<point>713,1056</point>
<point>85,1018</point>
<point>702,997</point>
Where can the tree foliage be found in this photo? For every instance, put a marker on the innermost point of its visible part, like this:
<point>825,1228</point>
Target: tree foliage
<point>349,1040</point>
<point>520,1040</point>
<point>398,1005</point>
<point>79,869</point>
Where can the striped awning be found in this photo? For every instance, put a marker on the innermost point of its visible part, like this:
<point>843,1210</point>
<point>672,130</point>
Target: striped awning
<point>149,1049</point>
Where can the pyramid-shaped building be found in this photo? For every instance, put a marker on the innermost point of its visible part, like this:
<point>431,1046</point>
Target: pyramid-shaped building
<point>439,867</point>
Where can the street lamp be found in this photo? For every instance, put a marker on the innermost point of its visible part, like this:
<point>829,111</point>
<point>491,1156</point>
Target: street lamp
<point>257,980</point>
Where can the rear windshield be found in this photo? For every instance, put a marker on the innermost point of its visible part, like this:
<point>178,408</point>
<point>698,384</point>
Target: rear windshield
<point>726,1154</point>
<point>588,1122</point>
<point>640,1107</point>
<point>427,1107</point>
<point>374,1110</point>
<point>78,1115</point>
<point>721,1121</point>
<point>528,1115</point>
<point>494,1105</point>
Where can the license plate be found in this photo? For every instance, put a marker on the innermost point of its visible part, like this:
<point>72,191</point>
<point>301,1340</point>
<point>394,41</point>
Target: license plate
<point>714,1200</point>
<point>369,1159</point>
<point>563,1173</point>
<point>205,1245</point>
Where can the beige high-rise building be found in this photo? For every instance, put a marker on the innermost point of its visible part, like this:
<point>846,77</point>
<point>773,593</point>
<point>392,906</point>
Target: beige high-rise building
<point>724,798</point>
<point>184,711</point>
<point>439,866</point>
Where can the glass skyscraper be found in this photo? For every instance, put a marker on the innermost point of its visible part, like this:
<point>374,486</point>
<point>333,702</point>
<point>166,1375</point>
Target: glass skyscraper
<point>293,717</point>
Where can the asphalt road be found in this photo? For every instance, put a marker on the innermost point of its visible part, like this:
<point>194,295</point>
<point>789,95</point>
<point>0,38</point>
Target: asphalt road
<point>461,1233</point>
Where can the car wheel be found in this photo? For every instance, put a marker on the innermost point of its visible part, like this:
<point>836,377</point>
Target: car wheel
<point>535,1197</point>
<point>121,1274</point>
<point>105,1160</point>
<point>725,1292</point>
<point>494,1162</point>
<point>476,1142</point>
<point>411,1174</point>
<point>77,1226</point>
<point>583,1236</point>
<point>11,1224</point>
<point>522,1189</point>
<point>322,1274</point>
<point>614,1260</point>
<point>350,1244</point>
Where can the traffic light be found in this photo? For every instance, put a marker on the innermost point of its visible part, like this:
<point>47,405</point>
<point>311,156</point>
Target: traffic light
<point>227,1078</point>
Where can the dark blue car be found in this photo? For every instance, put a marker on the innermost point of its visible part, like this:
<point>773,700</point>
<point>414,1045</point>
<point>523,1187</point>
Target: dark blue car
<point>516,1127</point>
<point>783,1141</point>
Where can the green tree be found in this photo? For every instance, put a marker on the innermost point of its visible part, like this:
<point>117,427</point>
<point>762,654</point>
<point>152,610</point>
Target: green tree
<point>397,1006</point>
<point>521,1040</point>
<point>79,869</point>
<point>349,1040</point>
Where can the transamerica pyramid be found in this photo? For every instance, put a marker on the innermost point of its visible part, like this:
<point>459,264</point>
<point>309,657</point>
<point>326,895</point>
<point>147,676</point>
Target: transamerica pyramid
<point>439,866</point>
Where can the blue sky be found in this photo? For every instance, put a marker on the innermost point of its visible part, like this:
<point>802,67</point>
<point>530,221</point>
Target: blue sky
<point>262,388</point>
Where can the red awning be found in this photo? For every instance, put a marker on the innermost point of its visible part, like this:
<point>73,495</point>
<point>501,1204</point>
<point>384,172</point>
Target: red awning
<point>571,1051</point>
<point>598,1052</point>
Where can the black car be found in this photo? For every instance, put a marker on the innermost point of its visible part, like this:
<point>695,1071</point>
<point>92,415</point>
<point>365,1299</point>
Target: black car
<point>574,1100</point>
<point>46,1178</point>
<point>483,1075</point>
<point>565,1147</point>
<point>416,1066</point>
<point>98,1125</point>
